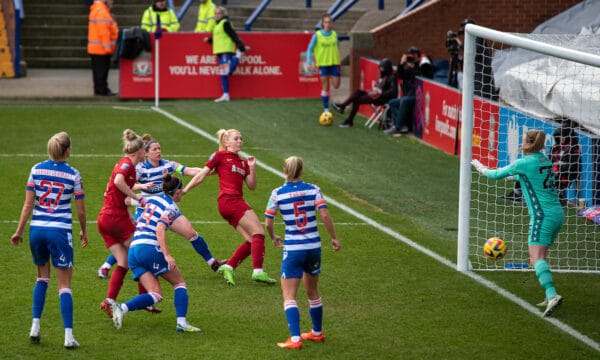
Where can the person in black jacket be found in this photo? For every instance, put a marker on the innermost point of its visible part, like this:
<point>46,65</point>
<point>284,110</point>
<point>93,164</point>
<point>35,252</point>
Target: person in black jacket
<point>402,107</point>
<point>383,90</point>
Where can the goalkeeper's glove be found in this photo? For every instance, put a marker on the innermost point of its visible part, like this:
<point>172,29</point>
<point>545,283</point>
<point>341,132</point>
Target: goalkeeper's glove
<point>479,167</point>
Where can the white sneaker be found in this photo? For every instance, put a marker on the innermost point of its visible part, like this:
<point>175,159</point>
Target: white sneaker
<point>552,305</point>
<point>117,317</point>
<point>71,344</point>
<point>543,303</point>
<point>223,98</point>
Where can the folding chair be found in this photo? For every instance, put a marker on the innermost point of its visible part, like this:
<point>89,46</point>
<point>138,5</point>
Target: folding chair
<point>376,117</point>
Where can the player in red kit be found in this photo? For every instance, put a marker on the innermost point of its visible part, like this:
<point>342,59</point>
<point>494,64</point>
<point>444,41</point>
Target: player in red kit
<point>115,222</point>
<point>233,172</point>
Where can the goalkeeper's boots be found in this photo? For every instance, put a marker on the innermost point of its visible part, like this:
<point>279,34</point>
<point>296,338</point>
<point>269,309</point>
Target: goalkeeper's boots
<point>552,305</point>
<point>312,337</point>
<point>289,344</point>
<point>186,328</point>
<point>227,274</point>
<point>263,277</point>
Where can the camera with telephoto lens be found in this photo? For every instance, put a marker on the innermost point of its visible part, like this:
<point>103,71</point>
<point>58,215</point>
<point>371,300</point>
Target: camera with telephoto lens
<point>452,44</point>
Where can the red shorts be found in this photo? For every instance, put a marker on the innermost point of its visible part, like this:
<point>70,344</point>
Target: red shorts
<point>115,229</point>
<point>232,209</point>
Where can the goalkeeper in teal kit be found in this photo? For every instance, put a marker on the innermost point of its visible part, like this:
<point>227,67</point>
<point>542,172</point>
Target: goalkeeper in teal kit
<point>536,176</point>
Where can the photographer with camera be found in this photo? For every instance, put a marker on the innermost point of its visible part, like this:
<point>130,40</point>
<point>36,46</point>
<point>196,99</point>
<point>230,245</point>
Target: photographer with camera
<point>412,64</point>
<point>484,79</point>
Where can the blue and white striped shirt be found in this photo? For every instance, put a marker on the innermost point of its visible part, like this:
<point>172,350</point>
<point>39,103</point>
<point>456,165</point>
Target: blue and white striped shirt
<point>54,183</point>
<point>159,209</point>
<point>297,202</point>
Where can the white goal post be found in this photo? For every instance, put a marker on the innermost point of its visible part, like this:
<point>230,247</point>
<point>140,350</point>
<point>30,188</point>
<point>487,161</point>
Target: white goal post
<point>483,212</point>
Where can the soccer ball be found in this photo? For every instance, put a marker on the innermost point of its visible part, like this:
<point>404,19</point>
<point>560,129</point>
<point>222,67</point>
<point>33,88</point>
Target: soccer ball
<point>495,248</point>
<point>326,118</point>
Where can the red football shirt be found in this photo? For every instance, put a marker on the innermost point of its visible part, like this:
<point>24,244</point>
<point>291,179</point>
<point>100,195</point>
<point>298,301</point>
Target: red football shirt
<point>232,171</point>
<point>114,199</point>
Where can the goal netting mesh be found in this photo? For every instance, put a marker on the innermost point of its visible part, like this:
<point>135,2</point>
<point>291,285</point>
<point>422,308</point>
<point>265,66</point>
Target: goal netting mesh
<point>513,83</point>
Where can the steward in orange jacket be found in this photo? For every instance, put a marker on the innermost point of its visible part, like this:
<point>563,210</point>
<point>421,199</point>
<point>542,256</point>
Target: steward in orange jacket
<point>102,30</point>
<point>103,33</point>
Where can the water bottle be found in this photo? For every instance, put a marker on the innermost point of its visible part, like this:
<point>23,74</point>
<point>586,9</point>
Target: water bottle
<point>517,265</point>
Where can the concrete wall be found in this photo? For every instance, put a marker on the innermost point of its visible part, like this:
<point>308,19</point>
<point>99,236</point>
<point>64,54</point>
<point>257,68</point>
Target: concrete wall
<point>427,26</point>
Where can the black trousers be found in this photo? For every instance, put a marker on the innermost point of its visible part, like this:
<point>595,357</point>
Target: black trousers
<point>100,66</point>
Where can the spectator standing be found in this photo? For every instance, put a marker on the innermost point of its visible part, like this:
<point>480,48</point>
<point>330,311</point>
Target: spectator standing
<point>298,203</point>
<point>324,45</point>
<point>206,16</point>
<point>402,108</point>
<point>383,90</point>
<point>546,215</point>
<point>224,41</point>
<point>103,33</point>
<point>50,187</point>
<point>168,19</point>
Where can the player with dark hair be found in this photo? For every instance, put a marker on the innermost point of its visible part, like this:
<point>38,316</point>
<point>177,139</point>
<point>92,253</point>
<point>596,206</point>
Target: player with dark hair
<point>536,176</point>
<point>149,256</point>
<point>233,172</point>
<point>298,203</point>
<point>50,187</point>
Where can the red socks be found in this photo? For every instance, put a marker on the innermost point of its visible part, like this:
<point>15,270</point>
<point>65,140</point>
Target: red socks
<point>116,282</point>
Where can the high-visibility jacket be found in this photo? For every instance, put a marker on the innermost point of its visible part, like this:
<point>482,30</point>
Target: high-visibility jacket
<point>168,20</point>
<point>103,30</point>
<point>206,17</point>
<point>222,43</point>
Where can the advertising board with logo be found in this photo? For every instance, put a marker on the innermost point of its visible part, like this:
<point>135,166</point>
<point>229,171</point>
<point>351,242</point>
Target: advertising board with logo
<point>273,67</point>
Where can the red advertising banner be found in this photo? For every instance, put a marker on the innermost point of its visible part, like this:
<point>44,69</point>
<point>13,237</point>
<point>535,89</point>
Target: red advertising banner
<point>272,68</point>
<point>442,108</point>
<point>369,72</point>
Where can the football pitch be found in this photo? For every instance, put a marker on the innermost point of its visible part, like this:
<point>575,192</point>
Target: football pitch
<point>392,292</point>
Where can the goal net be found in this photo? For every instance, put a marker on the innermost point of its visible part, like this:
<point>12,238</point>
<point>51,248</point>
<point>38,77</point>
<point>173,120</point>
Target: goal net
<point>513,83</point>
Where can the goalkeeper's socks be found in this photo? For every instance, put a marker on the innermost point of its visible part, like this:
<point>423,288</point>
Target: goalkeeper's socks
<point>542,271</point>
<point>201,247</point>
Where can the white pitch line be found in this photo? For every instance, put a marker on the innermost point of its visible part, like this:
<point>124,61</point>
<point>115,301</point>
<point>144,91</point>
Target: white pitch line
<point>487,283</point>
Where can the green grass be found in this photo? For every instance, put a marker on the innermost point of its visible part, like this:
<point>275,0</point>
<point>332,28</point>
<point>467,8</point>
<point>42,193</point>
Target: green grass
<point>382,299</point>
